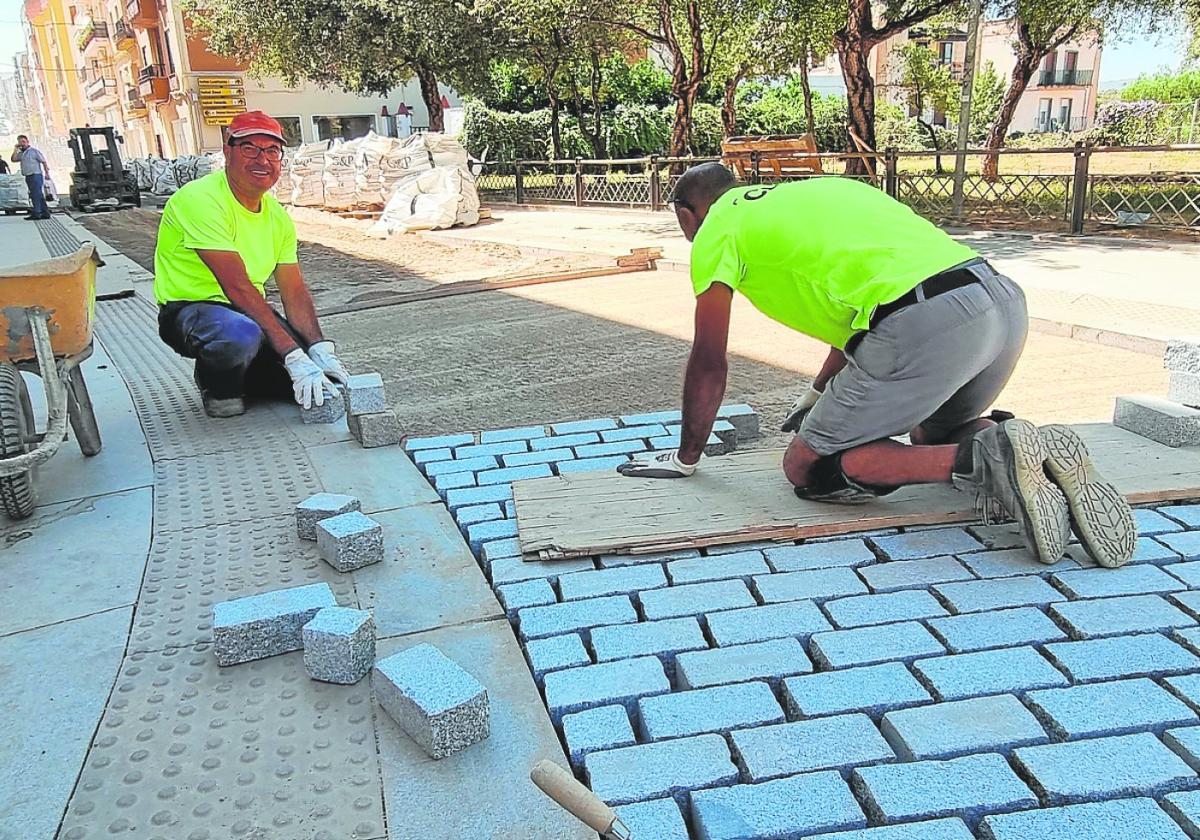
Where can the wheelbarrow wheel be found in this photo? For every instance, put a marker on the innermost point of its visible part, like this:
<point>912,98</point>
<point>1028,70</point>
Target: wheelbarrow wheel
<point>16,433</point>
<point>81,414</point>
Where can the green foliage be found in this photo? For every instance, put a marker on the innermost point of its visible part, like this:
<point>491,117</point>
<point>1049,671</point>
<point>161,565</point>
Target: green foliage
<point>1183,86</point>
<point>779,109</point>
<point>926,82</point>
<point>893,127</point>
<point>1145,122</point>
<point>986,95</point>
<point>502,136</point>
<point>640,83</point>
<point>511,86</point>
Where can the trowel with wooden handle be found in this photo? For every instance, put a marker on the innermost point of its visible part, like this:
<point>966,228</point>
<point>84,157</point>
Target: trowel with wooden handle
<point>565,789</point>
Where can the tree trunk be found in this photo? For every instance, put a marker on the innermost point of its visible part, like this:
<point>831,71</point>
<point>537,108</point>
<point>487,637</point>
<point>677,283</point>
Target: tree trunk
<point>937,158</point>
<point>1022,72</point>
<point>592,137</point>
<point>809,118</point>
<point>555,123</point>
<point>854,53</point>
<point>729,104</point>
<point>600,147</point>
<point>432,97</point>
<point>681,128</point>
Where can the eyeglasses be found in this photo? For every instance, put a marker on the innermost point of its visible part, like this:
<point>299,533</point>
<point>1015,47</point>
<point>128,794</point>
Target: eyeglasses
<point>252,152</point>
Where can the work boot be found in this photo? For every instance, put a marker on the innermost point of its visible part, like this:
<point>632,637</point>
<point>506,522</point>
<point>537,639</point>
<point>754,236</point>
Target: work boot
<point>1100,515</point>
<point>218,407</point>
<point>1005,463</point>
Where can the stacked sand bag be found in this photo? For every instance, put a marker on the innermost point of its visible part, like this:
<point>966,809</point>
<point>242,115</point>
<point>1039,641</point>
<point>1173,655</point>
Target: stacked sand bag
<point>340,176</point>
<point>368,175</point>
<point>307,175</point>
<point>283,187</point>
<point>437,198</point>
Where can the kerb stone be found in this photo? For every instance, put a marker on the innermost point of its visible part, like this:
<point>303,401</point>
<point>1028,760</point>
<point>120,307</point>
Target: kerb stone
<point>1158,419</point>
<point>268,624</point>
<point>364,394</point>
<point>339,645</point>
<point>379,428</point>
<point>350,541</point>
<point>321,506</point>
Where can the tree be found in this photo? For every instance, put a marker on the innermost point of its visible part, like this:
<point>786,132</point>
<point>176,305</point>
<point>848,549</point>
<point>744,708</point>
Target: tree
<point>927,85</point>
<point>985,101</point>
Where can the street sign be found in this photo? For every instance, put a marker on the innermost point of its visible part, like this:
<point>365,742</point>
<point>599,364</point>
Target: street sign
<point>221,98</point>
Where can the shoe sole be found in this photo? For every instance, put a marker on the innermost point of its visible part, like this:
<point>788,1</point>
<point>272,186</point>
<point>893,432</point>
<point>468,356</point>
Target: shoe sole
<point>1100,515</point>
<point>1045,515</point>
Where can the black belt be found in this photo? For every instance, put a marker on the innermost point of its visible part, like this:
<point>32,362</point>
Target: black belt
<point>946,281</point>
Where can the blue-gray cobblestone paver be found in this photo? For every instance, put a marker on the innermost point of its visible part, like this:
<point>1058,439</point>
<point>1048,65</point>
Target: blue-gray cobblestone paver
<point>1151,523</point>
<point>1186,544</point>
<point>945,829</point>
<point>510,509</point>
<point>472,496</point>
<point>868,645</point>
<point>489,531</point>
<point>962,727</point>
<point>657,818</point>
<point>555,653</point>
<point>480,450</point>
<point>585,465</point>
<point>863,610</point>
<point>452,481</point>
<point>554,619</point>
<point>797,619</point>
<point>1187,515</point>
<point>623,682</point>
<point>1185,808</point>
<point>1104,768</point>
<point>1186,687</point>
<point>1000,628</point>
<point>613,561</point>
<point>528,593</point>
<point>664,417</point>
<point>932,543</point>
<point>1190,601</point>
<point>717,709</point>
<point>1111,708</point>
<point>522,433</point>
<point>620,447</point>
<point>819,555</point>
<point>784,808</point>
<point>741,564</point>
<point>665,768</point>
<point>1003,671</point>
<point>507,475</point>
<point>564,441</point>
<point>967,787</point>
<point>1146,550</point>
<point>1122,819</point>
<point>1123,656</point>
<point>872,689</point>
<point>998,593</point>
<point>591,584</point>
<point>634,433</point>
<point>1186,744</point>
<point>1105,583</point>
<point>999,536</point>
<point>736,548</point>
<point>695,598</point>
<point>464,465</point>
<point>601,728</point>
<point>510,569</point>
<point>785,749</point>
<point>474,514</point>
<point>1189,573</point>
<point>572,427</point>
<point>437,442</point>
<point>424,456</point>
<point>542,456</point>
<point>913,574</point>
<point>1010,562</point>
<point>816,585</point>
<point>663,639</point>
<point>769,661</point>
<point>1093,619</point>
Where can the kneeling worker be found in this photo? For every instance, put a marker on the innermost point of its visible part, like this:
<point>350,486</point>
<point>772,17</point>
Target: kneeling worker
<point>924,336</point>
<point>220,239</point>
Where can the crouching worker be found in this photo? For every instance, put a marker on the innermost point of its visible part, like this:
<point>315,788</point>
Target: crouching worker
<point>220,239</point>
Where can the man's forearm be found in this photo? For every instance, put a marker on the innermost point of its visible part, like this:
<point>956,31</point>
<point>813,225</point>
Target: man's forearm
<point>301,313</point>
<point>834,362</point>
<point>703,390</point>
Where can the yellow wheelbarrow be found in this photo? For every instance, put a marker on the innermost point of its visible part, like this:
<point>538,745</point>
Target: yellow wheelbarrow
<point>46,312</point>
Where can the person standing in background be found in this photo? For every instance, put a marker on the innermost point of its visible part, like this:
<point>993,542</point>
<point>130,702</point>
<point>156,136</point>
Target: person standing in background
<point>36,170</point>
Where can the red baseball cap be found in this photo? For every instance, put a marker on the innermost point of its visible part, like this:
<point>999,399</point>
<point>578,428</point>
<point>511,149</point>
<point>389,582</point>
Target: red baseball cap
<point>255,122</point>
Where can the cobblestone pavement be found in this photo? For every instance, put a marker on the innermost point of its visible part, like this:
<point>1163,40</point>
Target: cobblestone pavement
<point>936,681</point>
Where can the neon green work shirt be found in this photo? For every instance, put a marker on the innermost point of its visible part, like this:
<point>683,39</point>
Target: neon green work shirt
<point>204,215</point>
<point>819,255</point>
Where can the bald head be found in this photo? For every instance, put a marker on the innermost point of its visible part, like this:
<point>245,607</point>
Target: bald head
<point>696,190</point>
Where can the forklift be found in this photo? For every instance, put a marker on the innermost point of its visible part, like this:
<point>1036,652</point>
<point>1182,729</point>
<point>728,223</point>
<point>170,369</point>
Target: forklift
<point>99,181</point>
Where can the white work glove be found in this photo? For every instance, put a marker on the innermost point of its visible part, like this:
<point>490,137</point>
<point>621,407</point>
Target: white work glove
<point>308,381</point>
<point>800,409</point>
<point>322,354</point>
<point>657,465</point>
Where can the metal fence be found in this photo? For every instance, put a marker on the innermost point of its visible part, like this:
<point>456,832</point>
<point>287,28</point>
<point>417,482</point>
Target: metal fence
<point>1078,197</point>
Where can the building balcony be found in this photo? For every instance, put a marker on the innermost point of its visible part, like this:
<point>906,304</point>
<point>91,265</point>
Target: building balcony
<point>142,14</point>
<point>93,34</point>
<point>135,105</point>
<point>123,36</point>
<point>152,84</point>
<point>1064,78</point>
<point>100,88</point>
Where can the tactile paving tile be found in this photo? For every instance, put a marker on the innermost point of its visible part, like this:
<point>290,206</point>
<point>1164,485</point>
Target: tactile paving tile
<point>191,570</point>
<point>190,751</point>
<point>59,241</point>
<point>236,486</point>
<point>165,395</point>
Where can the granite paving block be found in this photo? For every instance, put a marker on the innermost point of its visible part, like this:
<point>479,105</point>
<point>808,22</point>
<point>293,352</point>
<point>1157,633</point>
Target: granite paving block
<point>717,709</point>
<point>623,681</point>
<point>946,829</point>
<point>1186,544</point>
<point>1145,550</point>
<point>460,465</point>
<point>1104,583</point>
<point>868,645</point>
<point>452,481</point>
<point>439,705</point>
<point>819,555</point>
<point>585,465</point>
<point>1188,515</point>
<point>468,516</point>
<point>947,730</point>
<point>1188,572</point>
<point>770,752</point>
<point>674,416</point>
<point>1121,819</point>
<point>541,456</point>
<point>613,561</point>
<point>494,450</point>
<point>1111,708</point>
<point>1161,420</point>
<point>634,433</point>
<point>743,418</point>
<point>713,446</point>
<point>665,768</point>
<point>914,574</point>
<point>782,808</point>
<point>1010,562</point>
<point>1104,768</point>
<point>591,584</point>
<point>1182,355</point>
<point>1184,388</point>
<point>663,639</point>
<point>425,456</point>
<point>267,624</point>
<point>339,645</point>
<point>1011,670</point>
<point>350,541</point>
<point>862,610</point>
<point>418,444</point>
<point>817,585</point>
<point>740,564</point>
<point>873,689</point>
<point>695,598</point>
<point>1185,808</point>
<point>797,619</point>
<point>507,475</point>
<point>1152,522</point>
<point>769,661</point>
<point>494,550</point>
<point>657,818</point>
<point>1123,656</point>
<point>1186,687</point>
<point>620,447</point>
<point>1118,616</point>
<point>364,393</point>
<point>980,595</point>
<point>572,427</point>
<point>473,496</point>
<point>510,569</point>
<point>1001,628</point>
<point>1000,536</point>
<point>485,532</point>
<point>321,506</point>
<point>331,410</point>
<point>738,547</point>
<point>1185,743</point>
<point>554,619</point>
<point>510,509</point>
<point>601,728</point>
<point>564,441</point>
<point>527,593</point>
<point>932,543</point>
<point>555,653</point>
<point>502,435</point>
<point>967,787</point>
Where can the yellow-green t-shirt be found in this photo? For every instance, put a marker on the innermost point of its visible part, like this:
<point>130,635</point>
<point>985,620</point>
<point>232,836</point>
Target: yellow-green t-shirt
<point>205,215</point>
<point>819,255</point>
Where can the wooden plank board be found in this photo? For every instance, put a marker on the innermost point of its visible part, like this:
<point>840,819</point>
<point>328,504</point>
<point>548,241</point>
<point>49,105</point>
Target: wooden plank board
<point>745,497</point>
